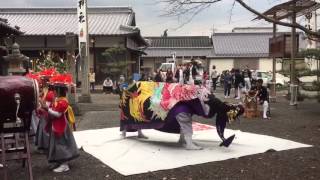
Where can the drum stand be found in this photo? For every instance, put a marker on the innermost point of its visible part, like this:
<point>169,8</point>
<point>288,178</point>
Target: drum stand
<point>15,145</point>
<point>12,150</point>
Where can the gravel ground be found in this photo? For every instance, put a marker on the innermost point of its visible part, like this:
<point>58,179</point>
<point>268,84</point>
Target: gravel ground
<point>301,125</point>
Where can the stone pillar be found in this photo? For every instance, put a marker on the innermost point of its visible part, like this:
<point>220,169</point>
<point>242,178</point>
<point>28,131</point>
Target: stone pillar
<point>71,68</point>
<point>85,88</point>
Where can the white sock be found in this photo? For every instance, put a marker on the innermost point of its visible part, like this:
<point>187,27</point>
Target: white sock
<point>265,109</point>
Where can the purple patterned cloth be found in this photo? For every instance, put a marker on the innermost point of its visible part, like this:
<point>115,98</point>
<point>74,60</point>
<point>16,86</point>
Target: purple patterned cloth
<point>192,107</point>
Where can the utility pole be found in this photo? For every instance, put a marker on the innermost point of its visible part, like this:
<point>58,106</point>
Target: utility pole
<point>273,84</point>
<point>84,51</point>
<point>293,85</point>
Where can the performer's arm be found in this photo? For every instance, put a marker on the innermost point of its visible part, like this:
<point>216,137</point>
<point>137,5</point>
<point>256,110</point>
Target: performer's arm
<point>53,113</point>
<point>59,109</point>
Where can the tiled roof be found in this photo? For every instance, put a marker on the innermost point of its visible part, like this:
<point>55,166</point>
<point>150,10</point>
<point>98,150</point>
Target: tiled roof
<point>180,52</point>
<point>244,44</point>
<point>180,41</point>
<point>191,46</point>
<point>58,21</point>
<point>241,44</point>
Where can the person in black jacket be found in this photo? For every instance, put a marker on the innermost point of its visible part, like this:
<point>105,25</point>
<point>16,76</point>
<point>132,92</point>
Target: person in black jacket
<point>263,97</point>
<point>186,74</point>
<point>238,83</point>
<point>157,77</point>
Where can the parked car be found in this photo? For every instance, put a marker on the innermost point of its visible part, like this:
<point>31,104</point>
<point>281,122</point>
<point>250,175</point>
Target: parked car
<point>281,80</point>
<point>265,76</point>
<point>165,66</point>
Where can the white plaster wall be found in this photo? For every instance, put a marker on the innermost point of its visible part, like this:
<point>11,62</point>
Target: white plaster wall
<point>265,64</point>
<point>278,66</point>
<point>221,64</point>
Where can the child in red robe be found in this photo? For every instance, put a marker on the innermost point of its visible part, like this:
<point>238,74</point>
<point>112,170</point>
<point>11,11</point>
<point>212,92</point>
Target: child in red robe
<point>62,145</point>
<point>42,137</point>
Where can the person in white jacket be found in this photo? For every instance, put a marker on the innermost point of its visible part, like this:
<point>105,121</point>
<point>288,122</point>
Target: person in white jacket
<point>107,85</point>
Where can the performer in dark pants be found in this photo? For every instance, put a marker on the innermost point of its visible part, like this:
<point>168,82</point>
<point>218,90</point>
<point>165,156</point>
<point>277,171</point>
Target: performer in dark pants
<point>214,77</point>
<point>263,97</point>
<point>227,84</point>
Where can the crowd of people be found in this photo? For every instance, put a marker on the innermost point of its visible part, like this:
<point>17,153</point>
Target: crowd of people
<point>190,73</point>
<point>243,82</point>
<point>240,81</point>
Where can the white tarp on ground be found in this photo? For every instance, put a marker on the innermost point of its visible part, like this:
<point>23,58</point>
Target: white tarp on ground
<point>161,151</point>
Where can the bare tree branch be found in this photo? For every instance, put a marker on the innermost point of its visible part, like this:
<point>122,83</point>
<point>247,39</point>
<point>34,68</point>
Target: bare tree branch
<point>181,8</point>
<point>231,11</point>
<point>266,18</point>
<point>185,9</point>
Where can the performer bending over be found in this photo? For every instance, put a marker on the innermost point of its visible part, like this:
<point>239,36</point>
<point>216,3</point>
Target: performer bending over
<point>184,111</point>
<point>154,106</point>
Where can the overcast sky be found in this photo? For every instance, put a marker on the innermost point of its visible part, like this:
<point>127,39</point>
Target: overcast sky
<point>151,23</point>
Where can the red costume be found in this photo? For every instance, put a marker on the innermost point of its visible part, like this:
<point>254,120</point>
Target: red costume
<point>49,96</point>
<point>59,123</point>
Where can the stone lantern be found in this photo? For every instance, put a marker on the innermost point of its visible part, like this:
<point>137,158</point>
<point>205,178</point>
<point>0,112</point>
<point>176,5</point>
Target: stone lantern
<point>16,61</point>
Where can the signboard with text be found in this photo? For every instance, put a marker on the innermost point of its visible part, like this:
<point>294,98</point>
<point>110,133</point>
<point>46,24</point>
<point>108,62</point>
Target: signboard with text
<point>83,24</point>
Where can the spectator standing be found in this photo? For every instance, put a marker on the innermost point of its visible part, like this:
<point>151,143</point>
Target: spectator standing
<point>179,75</point>
<point>246,73</point>
<point>238,83</point>
<point>214,77</point>
<point>158,77</point>
<point>120,84</point>
<point>92,79</point>
<point>143,77</point>
<point>186,73</point>
<point>254,77</point>
<point>107,85</point>
<point>169,76</point>
<point>205,78</point>
<point>227,84</point>
<point>163,75</point>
